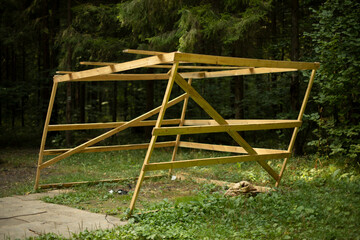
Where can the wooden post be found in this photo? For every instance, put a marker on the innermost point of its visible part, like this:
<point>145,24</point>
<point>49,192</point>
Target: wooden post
<point>296,129</point>
<point>153,138</point>
<point>43,140</point>
<point>182,120</point>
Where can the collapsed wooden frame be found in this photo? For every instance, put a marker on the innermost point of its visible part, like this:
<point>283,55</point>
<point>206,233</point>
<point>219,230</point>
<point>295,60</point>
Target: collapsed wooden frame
<point>223,67</point>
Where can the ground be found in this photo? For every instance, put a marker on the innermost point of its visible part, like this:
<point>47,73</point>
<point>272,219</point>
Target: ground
<point>313,201</point>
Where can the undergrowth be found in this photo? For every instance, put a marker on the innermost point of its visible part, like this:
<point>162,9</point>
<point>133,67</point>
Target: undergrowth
<point>312,203</point>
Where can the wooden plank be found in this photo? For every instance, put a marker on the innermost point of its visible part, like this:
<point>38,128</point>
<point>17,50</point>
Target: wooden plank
<point>83,126</point>
<point>165,58</point>
<point>154,66</point>
<point>64,72</point>
<point>125,77</point>
<point>110,133</point>
<point>44,135</point>
<point>212,112</point>
<point>243,62</point>
<point>238,72</point>
<point>226,148</point>
<point>165,131</point>
<point>182,120</point>
<point>70,184</point>
<point>111,148</point>
<point>213,161</point>
<point>143,52</point>
<point>160,118</point>
<point>164,76</point>
<point>296,130</point>
<point>220,120</point>
<point>211,122</point>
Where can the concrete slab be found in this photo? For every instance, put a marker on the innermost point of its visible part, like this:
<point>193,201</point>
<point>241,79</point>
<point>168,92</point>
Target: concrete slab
<point>26,216</point>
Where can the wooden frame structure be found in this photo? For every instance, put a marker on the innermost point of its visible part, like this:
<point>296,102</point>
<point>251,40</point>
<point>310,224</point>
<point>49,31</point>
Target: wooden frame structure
<point>221,67</point>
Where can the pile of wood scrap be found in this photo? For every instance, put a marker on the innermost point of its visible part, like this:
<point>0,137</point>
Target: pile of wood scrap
<point>245,187</point>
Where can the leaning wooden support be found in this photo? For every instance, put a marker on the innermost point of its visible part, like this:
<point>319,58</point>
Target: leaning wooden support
<point>182,120</point>
<point>296,130</point>
<point>160,118</point>
<point>43,139</point>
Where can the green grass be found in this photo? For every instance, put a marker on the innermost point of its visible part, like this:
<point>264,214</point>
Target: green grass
<point>311,203</point>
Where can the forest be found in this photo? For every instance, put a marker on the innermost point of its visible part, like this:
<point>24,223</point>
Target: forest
<point>40,37</point>
<point>319,196</point>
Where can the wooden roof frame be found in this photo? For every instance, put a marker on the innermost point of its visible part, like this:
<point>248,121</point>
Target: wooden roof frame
<point>222,67</point>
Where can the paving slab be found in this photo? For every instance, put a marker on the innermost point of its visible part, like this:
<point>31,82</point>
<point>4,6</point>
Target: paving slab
<point>27,216</point>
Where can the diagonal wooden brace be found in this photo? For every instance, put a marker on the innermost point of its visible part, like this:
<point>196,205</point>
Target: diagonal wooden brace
<point>220,120</point>
<point>111,132</point>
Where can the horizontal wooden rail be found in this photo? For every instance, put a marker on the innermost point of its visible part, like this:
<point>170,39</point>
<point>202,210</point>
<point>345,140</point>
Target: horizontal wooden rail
<point>164,131</point>
<point>143,62</point>
<point>193,75</point>
<point>155,66</point>
<point>111,148</point>
<point>70,184</point>
<point>212,161</point>
<point>211,122</point>
<point>225,148</point>
<point>243,62</point>
<point>84,126</point>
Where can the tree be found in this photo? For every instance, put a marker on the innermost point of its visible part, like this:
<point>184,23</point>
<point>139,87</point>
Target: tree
<point>336,37</point>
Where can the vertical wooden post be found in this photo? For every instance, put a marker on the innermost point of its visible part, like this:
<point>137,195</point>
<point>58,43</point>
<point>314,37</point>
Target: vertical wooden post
<point>182,119</point>
<point>43,140</point>
<point>153,138</point>
<point>296,130</point>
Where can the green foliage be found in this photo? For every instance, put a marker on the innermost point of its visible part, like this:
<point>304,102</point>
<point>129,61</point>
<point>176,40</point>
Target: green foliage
<point>336,37</point>
<point>313,204</point>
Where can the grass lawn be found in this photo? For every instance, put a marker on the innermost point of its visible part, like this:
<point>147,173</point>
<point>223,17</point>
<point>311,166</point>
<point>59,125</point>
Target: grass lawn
<point>311,203</point>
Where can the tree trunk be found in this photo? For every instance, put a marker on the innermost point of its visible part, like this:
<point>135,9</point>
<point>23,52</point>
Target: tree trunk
<point>295,85</point>
<point>149,102</point>
<point>114,103</point>
<point>68,85</point>
<point>239,97</point>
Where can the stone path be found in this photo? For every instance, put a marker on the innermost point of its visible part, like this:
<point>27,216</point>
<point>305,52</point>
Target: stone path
<point>26,216</point>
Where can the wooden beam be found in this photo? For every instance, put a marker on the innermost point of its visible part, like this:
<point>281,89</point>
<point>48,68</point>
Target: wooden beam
<point>194,75</point>
<point>211,122</point>
<point>242,62</point>
<point>83,126</point>
<point>110,133</point>
<point>44,135</point>
<point>165,131</point>
<point>238,72</point>
<point>212,161</point>
<point>160,118</point>
<point>220,120</point>
<point>165,58</point>
<point>182,119</point>
<point>126,77</point>
<point>143,52</point>
<point>296,130</point>
<point>70,184</point>
<point>226,148</point>
<point>111,148</point>
<point>154,66</point>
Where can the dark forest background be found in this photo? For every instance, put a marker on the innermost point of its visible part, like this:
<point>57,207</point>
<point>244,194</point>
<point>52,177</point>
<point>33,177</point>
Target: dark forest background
<point>40,37</point>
